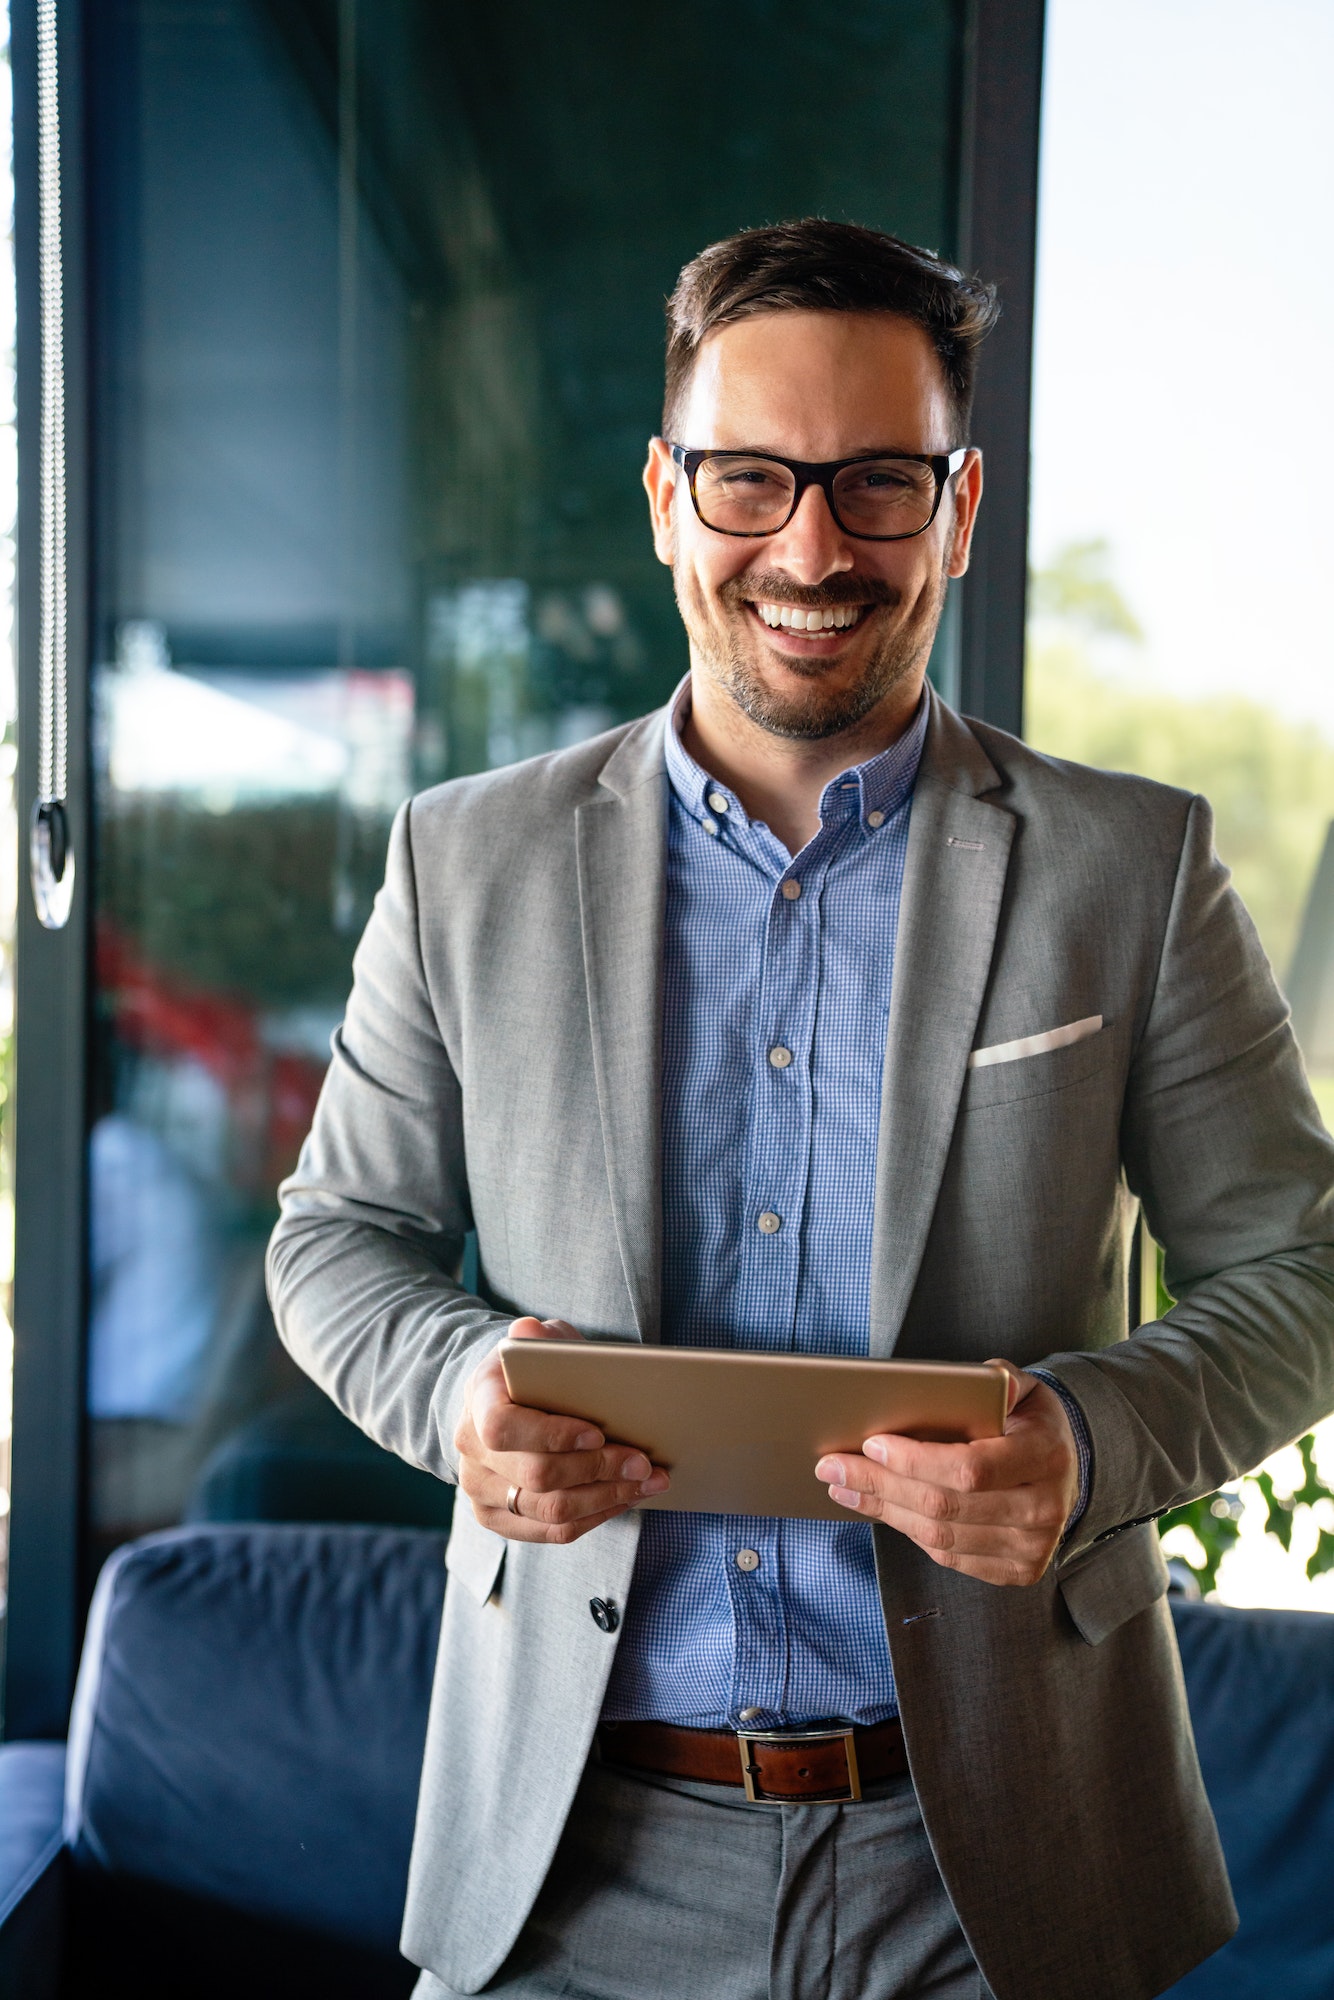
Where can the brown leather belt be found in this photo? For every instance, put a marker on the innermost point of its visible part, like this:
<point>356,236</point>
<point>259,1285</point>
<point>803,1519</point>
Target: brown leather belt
<point>825,1763</point>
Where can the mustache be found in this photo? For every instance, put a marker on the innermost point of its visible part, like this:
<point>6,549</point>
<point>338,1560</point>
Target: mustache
<point>773,586</point>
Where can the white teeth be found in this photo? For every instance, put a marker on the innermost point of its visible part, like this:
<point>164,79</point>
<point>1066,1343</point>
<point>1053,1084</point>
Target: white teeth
<point>838,618</point>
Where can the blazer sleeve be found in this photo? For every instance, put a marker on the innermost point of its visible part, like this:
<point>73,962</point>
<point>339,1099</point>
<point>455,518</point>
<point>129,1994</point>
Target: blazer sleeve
<point>1222,1142</point>
<point>363,1265</point>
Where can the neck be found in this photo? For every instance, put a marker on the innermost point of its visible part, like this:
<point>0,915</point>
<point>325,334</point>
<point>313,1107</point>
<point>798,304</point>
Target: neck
<point>781,779</point>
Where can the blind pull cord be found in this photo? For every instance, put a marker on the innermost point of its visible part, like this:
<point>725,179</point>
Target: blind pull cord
<point>51,855</point>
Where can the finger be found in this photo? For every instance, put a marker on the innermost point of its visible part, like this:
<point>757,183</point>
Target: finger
<point>990,1554</point>
<point>1028,1451</point>
<point>1038,1506</point>
<point>482,1479</point>
<point>529,1328</point>
<point>550,1472</point>
<point>1015,1552</point>
<point>546,1470</point>
<point>517,1528</point>
<point>555,1507</point>
<point>503,1425</point>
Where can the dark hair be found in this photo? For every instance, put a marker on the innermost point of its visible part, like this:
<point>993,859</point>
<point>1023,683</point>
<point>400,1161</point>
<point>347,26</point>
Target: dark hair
<point>818,266</point>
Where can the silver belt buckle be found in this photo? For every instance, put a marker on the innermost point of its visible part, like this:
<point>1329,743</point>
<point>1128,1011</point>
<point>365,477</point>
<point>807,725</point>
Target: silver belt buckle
<point>747,1738</point>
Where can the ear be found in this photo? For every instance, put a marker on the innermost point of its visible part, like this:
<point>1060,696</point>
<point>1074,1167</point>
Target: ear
<point>660,485</point>
<point>967,499</point>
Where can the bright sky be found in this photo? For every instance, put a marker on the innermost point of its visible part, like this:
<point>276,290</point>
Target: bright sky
<point>1185,306</point>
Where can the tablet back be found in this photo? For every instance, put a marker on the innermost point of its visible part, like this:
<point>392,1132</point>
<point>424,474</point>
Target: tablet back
<point>740,1432</point>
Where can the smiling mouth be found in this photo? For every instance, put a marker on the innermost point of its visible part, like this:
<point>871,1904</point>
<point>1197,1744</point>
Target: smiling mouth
<point>819,619</point>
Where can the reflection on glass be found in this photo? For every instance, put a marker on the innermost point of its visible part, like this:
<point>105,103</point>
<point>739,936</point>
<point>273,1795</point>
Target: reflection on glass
<point>379,345</point>
<point>154,1270</point>
<point>242,831</point>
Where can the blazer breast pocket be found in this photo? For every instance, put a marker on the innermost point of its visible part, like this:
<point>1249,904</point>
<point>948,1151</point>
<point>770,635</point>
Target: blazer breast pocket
<point>1011,1077</point>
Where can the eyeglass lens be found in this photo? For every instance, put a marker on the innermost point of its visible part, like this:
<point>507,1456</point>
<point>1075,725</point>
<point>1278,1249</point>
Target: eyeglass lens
<point>753,496</point>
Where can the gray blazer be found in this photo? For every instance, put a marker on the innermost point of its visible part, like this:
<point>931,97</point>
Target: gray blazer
<point>499,1069</point>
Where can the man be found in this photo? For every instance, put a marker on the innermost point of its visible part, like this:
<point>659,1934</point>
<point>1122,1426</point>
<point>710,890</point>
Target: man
<point>809,1016</point>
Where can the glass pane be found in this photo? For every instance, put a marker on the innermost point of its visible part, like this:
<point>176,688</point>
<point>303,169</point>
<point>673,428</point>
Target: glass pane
<point>379,348</point>
<point>9,858</point>
<point>1182,513</point>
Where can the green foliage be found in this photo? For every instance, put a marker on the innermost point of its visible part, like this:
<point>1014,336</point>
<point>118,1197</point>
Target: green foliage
<point>1214,1520</point>
<point>1278,1520</point>
<point>1077,590</point>
<point>1270,782</point>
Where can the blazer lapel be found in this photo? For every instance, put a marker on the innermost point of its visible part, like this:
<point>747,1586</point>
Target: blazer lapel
<point>621,840</point>
<point>954,879</point>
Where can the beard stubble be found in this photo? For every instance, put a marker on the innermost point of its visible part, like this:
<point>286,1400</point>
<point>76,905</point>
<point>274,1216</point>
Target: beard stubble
<point>815,710</point>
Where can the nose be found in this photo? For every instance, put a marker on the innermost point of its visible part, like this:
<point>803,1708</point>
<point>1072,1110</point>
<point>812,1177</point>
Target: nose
<point>812,546</point>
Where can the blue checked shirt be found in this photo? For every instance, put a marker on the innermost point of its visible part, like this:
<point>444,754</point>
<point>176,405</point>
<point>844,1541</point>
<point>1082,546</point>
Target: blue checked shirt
<point>777,977</point>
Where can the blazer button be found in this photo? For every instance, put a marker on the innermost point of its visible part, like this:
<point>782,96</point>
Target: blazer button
<point>605,1615</point>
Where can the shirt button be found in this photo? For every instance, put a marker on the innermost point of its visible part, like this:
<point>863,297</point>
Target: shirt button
<point>770,1223</point>
<point>791,889</point>
<point>709,825</point>
<point>747,1559</point>
<point>875,819</point>
<point>750,1714</point>
<point>718,802</point>
<point>780,1057</point>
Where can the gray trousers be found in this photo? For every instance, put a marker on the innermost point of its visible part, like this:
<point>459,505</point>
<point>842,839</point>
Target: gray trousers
<point>664,1890</point>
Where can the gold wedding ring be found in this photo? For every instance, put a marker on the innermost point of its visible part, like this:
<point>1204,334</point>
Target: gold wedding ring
<point>512,1500</point>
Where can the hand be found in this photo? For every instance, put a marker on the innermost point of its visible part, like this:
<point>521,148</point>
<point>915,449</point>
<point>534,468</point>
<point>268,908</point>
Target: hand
<point>995,1509</point>
<point>569,1478</point>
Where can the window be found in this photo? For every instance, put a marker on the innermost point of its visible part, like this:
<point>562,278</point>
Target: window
<point>378,339</point>
<point>1182,511</point>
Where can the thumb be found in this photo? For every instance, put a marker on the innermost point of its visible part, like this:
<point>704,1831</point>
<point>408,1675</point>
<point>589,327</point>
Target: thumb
<point>1021,1383</point>
<point>530,1328</point>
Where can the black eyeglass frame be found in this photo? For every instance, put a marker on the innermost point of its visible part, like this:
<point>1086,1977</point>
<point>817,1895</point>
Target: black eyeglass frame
<point>822,473</point>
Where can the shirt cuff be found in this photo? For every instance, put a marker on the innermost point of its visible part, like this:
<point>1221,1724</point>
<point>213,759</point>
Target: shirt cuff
<point>1083,1447</point>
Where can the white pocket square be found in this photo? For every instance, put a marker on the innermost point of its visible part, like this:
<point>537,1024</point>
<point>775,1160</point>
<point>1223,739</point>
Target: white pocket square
<point>1036,1045</point>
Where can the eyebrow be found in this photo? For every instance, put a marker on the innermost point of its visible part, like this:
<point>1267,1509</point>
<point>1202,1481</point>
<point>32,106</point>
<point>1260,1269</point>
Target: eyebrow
<point>868,451</point>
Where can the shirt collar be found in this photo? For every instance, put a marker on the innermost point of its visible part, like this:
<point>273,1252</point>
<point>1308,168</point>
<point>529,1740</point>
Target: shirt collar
<point>880,785</point>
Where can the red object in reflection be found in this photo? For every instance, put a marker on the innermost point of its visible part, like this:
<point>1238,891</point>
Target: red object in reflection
<point>294,1085</point>
<point>271,1093</point>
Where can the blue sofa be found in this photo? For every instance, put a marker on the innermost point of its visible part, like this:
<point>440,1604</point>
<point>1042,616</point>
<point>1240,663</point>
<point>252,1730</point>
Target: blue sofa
<point>233,1811</point>
<point>234,1808</point>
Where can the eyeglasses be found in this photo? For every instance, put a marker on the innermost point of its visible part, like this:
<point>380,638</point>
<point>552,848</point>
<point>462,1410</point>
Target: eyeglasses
<point>873,499</point>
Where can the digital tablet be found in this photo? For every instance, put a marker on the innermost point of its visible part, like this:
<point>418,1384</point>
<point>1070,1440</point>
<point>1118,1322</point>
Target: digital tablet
<point>740,1432</point>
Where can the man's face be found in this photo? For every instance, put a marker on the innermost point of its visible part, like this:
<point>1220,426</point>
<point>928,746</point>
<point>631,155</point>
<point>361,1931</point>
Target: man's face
<point>815,386</point>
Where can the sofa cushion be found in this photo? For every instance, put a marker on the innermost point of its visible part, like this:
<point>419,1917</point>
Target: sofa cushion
<point>1261,1689</point>
<point>249,1720</point>
<point>32,1777</point>
<point>32,1904</point>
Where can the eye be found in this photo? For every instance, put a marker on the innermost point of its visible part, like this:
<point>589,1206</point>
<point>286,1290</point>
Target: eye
<point>746,478</point>
<point>883,479</point>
